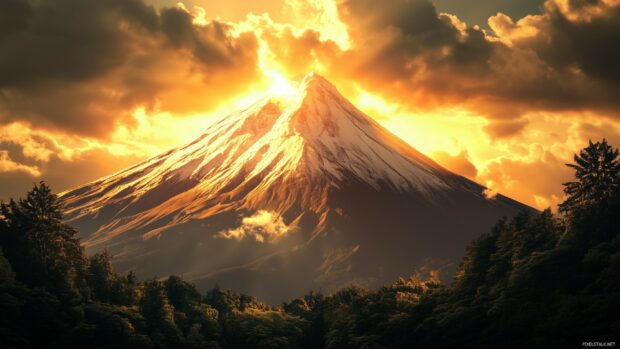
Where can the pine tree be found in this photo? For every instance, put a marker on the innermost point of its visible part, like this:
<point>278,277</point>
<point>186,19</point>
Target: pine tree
<point>43,251</point>
<point>181,294</point>
<point>101,275</point>
<point>159,314</point>
<point>154,305</point>
<point>597,174</point>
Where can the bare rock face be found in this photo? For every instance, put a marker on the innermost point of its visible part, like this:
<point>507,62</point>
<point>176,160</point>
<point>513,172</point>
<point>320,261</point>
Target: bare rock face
<point>291,194</point>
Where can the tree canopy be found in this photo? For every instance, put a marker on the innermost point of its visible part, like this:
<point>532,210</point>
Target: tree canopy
<point>532,281</point>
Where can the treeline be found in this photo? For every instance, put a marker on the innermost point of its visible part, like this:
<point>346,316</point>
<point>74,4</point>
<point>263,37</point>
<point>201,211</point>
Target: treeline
<point>540,280</point>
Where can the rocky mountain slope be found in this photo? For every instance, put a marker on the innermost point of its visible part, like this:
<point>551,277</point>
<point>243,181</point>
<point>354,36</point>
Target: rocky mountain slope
<point>295,192</point>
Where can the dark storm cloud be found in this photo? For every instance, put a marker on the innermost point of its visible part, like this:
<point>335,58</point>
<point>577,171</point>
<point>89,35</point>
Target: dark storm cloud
<point>415,32</point>
<point>83,65</point>
<point>13,16</point>
<point>564,59</point>
<point>504,128</point>
<point>411,17</point>
<point>209,44</point>
<point>68,40</point>
<point>592,44</point>
<point>477,13</point>
<point>575,51</point>
<point>414,52</point>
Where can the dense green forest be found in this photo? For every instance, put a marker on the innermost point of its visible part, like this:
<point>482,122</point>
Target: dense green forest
<point>537,280</point>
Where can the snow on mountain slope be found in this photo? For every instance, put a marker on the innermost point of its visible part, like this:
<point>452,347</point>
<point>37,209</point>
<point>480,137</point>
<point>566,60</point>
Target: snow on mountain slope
<point>296,170</point>
<point>316,135</point>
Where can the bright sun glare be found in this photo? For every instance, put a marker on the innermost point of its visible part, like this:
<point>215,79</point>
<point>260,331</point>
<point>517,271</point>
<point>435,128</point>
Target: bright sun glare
<point>280,86</point>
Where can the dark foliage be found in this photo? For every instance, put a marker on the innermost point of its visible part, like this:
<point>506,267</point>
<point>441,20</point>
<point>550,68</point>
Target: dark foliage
<point>596,173</point>
<point>535,281</point>
<point>43,252</point>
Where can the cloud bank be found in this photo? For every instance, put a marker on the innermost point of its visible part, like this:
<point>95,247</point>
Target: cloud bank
<point>90,80</point>
<point>84,66</point>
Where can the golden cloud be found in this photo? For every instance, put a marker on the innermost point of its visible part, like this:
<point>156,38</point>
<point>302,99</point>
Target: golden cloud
<point>8,165</point>
<point>124,80</point>
<point>263,226</point>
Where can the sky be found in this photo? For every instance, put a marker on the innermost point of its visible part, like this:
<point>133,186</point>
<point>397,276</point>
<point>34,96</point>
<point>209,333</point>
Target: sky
<point>503,92</point>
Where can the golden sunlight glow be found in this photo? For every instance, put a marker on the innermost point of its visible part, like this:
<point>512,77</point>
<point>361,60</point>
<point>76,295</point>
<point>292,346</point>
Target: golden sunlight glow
<point>289,38</point>
<point>281,87</point>
<point>321,16</point>
<point>377,106</point>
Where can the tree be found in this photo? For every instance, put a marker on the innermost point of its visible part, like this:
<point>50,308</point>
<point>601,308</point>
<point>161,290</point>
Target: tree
<point>154,304</point>
<point>597,176</point>
<point>180,293</point>
<point>101,275</point>
<point>159,314</point>
<point>255,328</point>
<point>6,272</point>
<point>43,251</point>
<point>106,284</point>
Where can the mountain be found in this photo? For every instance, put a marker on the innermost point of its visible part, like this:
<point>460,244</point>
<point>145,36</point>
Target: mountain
<point>299,191</point>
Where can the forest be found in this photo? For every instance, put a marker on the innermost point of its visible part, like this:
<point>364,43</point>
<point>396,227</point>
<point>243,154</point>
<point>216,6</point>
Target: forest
<point>540,280</point>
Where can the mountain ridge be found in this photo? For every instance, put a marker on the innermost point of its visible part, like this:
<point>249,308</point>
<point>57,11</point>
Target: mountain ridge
<point>290,173</point>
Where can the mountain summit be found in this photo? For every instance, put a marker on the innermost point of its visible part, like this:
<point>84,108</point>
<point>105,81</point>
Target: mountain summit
<point>299,191</point>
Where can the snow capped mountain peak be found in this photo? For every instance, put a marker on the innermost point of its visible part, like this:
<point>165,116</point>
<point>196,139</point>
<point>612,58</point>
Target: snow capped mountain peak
<point>339,140</point>
<point>313,81</point>
<point>316,132</point>
<point>292,93</point>
<point>287,150</point>
<point>298,191</point>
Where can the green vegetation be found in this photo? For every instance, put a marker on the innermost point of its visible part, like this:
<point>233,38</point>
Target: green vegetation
<point>534,281</point>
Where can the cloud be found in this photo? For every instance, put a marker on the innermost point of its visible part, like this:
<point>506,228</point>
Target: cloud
<point>8,165</point>
<point>119,80</point>
<point>291,51</point>
<point>84,66</point>
<point>63,161</point>
<point>263,226</point>
<point>319,16</point>
<point>459,163</point>
<point>585,34</point>
<point>505,128</point>
<point>535,181</point>
<point>106,58</point>
<point>483,9</point>
<point>599,130</point>
<point>490,193</point>
<point>84,167</point>
<point>507,31</point>
<point>559,60</point>
<point>409,49</point>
